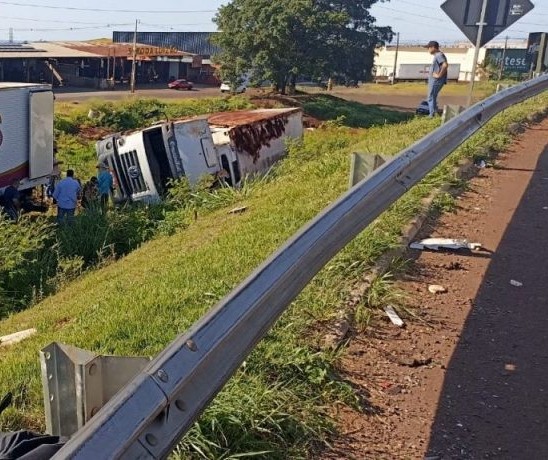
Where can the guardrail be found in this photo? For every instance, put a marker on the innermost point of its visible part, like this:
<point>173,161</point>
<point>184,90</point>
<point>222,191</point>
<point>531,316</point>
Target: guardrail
<point>150,415</point>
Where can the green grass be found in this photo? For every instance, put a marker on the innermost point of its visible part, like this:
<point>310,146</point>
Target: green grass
<point>278,402</point>
<point>352,114</point>
<point>481,90</point>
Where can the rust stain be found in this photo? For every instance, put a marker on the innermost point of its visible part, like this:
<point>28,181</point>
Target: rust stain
<point>252,130</point>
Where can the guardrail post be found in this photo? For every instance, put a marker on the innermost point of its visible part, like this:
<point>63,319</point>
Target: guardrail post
<point>77,383</point>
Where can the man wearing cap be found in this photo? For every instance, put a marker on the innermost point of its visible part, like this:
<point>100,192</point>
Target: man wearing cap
<point>437,77</point>
<point>105,184</point>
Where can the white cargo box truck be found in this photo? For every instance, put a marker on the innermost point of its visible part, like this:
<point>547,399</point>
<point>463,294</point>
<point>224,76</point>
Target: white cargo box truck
<point>422,71</point>
<point>236,144</point>
<point>26,134</point>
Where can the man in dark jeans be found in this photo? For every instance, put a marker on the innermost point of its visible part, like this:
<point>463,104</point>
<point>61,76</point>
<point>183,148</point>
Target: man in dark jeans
<point>437,77</point>
<point>11,200</point>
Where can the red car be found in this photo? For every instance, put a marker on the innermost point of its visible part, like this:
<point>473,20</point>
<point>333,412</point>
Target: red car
<point>181,84</point>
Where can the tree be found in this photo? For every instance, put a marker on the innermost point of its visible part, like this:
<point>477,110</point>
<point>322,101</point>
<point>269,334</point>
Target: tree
<point>279,40</point>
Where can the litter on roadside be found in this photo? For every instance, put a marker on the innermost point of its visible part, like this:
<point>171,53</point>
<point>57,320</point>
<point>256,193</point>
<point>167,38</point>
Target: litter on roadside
<point>516,283</point>
<point>391,313</point>
<point>239,210</point>
<point>12,339</point>
<point>435,244</point>
<point>436,289</point>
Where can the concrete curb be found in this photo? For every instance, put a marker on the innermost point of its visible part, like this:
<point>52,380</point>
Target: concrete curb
<point>465,170</point>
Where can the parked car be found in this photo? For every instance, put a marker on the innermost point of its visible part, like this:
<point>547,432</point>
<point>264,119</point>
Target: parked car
<point>227,88</point>
<point>181,84</point>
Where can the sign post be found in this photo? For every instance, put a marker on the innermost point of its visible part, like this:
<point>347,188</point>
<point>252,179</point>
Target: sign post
<point>481,24</point>
<point>483,20</point>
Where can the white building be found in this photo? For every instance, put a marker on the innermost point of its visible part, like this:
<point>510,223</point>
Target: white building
<point>414,61</point>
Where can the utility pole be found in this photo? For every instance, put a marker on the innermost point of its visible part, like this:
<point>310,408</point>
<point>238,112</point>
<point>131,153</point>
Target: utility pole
<point>396,59</point>
<point>502,62</point>
<point>134,62</point>
<point>481,25</point>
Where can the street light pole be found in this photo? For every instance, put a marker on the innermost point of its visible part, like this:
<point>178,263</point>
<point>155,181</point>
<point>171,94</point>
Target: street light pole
<point>396,58</point>
<point>134,62</point>
<point>481,24</point>
<point>502,62</point>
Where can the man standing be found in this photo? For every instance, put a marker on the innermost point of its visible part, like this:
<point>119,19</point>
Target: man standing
<point>66,194</point>
<point>105,184</point>
<point>437,77</point>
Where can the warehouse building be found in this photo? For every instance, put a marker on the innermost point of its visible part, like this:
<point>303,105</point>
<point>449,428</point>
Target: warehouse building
<point>198,44</point>
<point>94,64</point>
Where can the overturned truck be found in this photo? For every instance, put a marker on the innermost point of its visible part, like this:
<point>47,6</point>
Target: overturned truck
<point>231,145</point>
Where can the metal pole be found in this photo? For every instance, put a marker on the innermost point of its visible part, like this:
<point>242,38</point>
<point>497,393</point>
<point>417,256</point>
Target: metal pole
<point>396,58</point>
<point>108,63</point>
<point>133,64</point>
<point>481,24</point>
<point>502,63</point>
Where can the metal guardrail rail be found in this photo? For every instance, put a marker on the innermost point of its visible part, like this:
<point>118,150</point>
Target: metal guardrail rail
<point>147,418</point>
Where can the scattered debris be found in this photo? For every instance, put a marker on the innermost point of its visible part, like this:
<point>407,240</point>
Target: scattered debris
<point>337,333</point>
<point>436,289</point>
<point>417,362</point>
<point>435,244</point>
<point>17,337</point>
<point>545,208</point>
<point>239,210</point>
<point>454,266</point>
<point>516,283</point>
<point>481,164</point>
<point>391,313</point>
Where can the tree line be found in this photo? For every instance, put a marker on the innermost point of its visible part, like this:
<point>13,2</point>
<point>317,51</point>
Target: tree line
<point>280,40</point>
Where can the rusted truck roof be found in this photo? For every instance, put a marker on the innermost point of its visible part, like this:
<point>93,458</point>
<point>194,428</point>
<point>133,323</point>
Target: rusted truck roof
<point>247,117</point>
<point>251,130</point>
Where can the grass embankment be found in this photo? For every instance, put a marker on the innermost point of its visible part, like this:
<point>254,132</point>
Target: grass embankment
<point>277,403</point>
<point>481,90</point>
<point>352,114</point>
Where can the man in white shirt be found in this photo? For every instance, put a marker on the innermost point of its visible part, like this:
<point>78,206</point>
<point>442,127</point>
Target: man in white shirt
<point>66,195</point>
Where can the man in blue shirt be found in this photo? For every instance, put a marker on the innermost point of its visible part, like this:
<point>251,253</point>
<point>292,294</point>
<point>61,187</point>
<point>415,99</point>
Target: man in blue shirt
<point>105,184</point>
<point>437,77</point>
<point>66,195</point>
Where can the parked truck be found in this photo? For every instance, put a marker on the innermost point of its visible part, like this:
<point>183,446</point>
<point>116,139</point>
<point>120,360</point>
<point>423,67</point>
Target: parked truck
<point>26,135</point>
<point>421,71</point>
<point>229,145</point>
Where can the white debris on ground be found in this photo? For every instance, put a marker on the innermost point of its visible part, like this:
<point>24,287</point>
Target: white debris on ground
<point>435,244</point>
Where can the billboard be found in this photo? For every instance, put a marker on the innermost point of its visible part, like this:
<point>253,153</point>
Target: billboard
<point>515,60</point>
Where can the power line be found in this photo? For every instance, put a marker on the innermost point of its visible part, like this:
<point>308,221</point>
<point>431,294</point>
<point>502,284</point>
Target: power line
<point>105,26</point>
<point>15,18</point>
<point>101,10</point>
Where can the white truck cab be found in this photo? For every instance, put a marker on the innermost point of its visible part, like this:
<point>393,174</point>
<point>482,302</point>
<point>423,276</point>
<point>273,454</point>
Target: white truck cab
<point>144,162</point>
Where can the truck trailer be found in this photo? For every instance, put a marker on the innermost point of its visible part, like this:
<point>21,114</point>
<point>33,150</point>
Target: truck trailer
<point>26,135</point>
<point>231,145</point>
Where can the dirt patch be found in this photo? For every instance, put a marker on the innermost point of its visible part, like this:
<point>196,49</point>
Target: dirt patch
<point>93,133</point>
<point>468,376</point>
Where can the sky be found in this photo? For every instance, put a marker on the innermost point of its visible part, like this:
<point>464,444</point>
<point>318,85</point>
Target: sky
<point>31,20</point>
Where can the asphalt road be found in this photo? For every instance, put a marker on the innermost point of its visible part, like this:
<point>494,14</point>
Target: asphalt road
<point>82,95</point>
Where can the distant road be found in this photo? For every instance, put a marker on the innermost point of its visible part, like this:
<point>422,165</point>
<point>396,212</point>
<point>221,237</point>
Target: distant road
<point>83,94</point>
<point>402,97</point>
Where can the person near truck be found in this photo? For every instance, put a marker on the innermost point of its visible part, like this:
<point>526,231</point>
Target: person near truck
<point>437,77</point>
<point>105,184</point>
<point>90,194</point>
<point>11,200</point>
<point>66,195</point>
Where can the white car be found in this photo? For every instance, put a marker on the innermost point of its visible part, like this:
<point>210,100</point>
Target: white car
<point>226,88</point>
